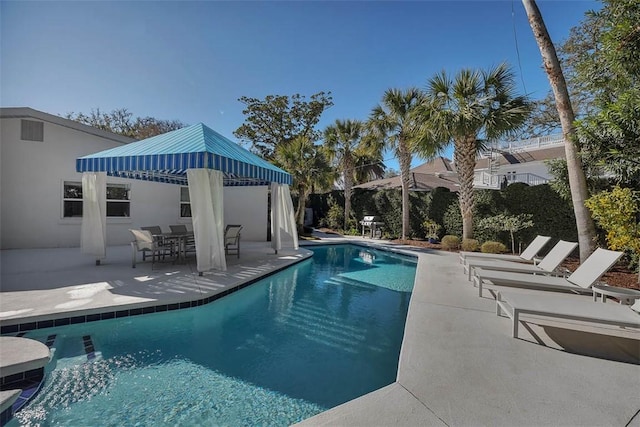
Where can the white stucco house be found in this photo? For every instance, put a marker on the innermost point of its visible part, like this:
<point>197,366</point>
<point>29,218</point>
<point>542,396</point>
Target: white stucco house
<point>518,161</point>
<point>39,187</point>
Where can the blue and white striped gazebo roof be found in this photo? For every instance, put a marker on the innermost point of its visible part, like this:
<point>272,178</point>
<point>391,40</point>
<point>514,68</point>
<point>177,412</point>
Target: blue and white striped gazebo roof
<point>166,158</point>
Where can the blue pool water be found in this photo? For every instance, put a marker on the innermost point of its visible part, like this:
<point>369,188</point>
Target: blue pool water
<point>294,344</point>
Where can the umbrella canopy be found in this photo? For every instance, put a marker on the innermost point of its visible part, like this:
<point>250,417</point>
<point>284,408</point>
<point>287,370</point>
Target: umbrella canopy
<point>166,158</point>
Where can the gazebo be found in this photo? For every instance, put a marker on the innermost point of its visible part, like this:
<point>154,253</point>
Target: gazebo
<point>200,158</point>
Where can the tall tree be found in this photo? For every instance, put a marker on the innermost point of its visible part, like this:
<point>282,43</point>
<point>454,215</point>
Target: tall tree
<point>347,150</point>
<point>393,124</point>
<point>610,70</point>
<point>309,167</point>
<point>279,119</point>
<point>121,121</point>
<point>577,180</point>
<point>474,106</point>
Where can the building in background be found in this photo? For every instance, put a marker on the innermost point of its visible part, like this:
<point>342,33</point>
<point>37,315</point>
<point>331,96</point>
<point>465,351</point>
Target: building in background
<point>502,164</point>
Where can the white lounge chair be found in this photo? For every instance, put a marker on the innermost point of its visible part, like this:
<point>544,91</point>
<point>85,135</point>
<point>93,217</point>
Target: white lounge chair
<point>526,256</point>
<point>566,307</point>
<point>548,265</point>
<point>578,282</point>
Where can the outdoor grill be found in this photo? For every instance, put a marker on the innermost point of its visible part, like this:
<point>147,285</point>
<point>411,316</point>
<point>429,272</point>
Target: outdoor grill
<point>371,224</point>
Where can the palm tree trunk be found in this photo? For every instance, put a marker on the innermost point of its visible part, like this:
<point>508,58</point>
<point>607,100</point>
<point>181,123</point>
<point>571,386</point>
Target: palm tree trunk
<point>465,160</point>
<point>303,194</point>
<point>577,180</point>
<point>404,160</point>
<point>348,185</point>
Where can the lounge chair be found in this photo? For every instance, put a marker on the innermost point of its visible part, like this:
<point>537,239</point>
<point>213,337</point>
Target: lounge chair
<point>579,281</point>
<point>232,238</point>
<point>526,256</point>
<point>566,307</point>
<point>548,265</point>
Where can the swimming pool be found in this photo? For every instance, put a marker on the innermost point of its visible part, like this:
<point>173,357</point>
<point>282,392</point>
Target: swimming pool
<point>294,344</point>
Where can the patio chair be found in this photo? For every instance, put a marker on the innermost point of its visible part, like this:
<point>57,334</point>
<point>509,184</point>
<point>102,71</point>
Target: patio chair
<point>526,256</point>
<point>566,307</point>
<point>156,232</point>
<point>580,281</point>
<point>232,238</point>
<point>548,265</point>
<point>145,243</point>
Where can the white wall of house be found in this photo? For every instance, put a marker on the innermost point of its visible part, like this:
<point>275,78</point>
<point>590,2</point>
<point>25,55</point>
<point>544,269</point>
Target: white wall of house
<point>536,167</point>
<point>32,176</point>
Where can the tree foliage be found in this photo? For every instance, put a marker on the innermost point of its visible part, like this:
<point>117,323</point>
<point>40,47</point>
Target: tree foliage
<point>617,211</point>
<point>309,167</point>
<point>510,223</point>
<point>352,157</point>
<point>279,119</point>
<point>611,72</point>
<point>121,122</point>
<point>466,110</point>
<point>395,125</point>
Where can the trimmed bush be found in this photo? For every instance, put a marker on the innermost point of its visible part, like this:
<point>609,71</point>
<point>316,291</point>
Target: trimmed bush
<point>450,242</point>
<point>470,245</point>
<point>493,248</point>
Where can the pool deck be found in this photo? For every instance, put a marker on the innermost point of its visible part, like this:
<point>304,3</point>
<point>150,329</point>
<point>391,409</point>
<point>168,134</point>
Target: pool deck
<point>459,365</point>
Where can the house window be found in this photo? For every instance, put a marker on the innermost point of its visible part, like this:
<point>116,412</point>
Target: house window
<point>185,203</point>
<point>31,130</point>
<point>118,200</point>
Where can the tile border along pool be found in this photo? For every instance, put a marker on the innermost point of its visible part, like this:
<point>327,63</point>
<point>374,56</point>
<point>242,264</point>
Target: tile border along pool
<point>458,364</point>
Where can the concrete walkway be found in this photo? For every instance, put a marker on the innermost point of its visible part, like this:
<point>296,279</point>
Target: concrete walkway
<point>459,365</point>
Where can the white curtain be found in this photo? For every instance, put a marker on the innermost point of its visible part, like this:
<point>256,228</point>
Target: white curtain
<point>206,194</point>
<point>93,233</point>
<point>283,223</point>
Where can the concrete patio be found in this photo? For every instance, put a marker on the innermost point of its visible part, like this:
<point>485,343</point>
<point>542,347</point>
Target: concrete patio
<point>459,365</point>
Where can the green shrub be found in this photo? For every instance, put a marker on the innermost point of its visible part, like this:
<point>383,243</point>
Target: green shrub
<point>431,229</point>
<point>335,215</point>
<point>493,248</point>
<point>450,242</point>
<point>470,245</point>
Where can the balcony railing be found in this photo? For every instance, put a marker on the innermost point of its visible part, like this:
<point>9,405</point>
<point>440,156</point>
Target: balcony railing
<point>524,145</point>
<point>530,144</point>
<point>482,179</point>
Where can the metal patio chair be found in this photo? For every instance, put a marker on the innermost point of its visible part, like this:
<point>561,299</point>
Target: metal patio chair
<point>232,238</point>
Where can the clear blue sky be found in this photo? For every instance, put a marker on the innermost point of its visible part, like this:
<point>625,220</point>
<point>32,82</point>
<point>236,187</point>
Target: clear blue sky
<point>191,61</point>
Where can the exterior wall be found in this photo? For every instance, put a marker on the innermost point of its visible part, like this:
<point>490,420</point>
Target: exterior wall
<point>247,206</point>
<point>536,168</point>
<point>31,190</point>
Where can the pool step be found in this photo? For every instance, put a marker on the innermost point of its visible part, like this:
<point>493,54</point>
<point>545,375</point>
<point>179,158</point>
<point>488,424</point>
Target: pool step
<point>340,280</point>
<point>75,352</point>
<point>30,384</point>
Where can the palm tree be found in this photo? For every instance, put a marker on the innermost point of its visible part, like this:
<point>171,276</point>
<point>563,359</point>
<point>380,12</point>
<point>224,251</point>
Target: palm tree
<point>309,167</point>
<point>577,179</point>
<point>475,104</point>
<point>394,125</point>
<point>344,143</point>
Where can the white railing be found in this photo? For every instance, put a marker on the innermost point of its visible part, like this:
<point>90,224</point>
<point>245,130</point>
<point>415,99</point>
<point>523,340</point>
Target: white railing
<point>482,179</point>
<point>529,144</point>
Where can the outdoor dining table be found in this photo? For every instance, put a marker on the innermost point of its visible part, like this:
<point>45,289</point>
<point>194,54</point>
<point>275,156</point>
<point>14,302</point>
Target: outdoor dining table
<point>180,242</point>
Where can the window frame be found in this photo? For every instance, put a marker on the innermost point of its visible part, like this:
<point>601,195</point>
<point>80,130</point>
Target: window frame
<point>186,203</point>
<point>126,186</point>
